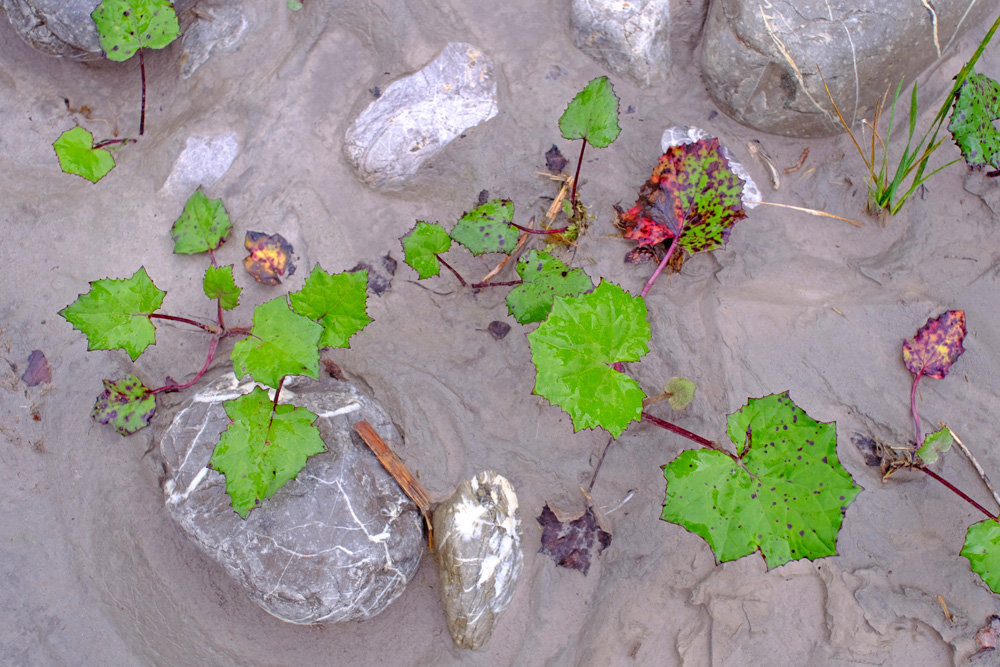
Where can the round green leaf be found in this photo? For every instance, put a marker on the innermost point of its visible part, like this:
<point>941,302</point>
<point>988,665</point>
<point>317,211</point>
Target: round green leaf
<point>281,343</point>
<point>125,26</point>
<point>126,404</point>
<point>592,115</point>
<point>487,228</point>
<point>202,226</point>
<point>77,155</point>
<point>264,447</point>
<point>784,494</point>
<point>219,284</point>
<point>681,392</point>
<point>545,278</point>
<point>422,245</point>
<point>982,548</point>
<point>935,444</point>
<point>114,314</point>
<point>573,351</point>
<point>335,301</point>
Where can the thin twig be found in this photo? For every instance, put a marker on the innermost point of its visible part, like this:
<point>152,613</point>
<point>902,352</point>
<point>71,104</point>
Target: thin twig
<point>975,464</point>
<point>503,262</point>
<point>600,462</point>
<point>810,211</point>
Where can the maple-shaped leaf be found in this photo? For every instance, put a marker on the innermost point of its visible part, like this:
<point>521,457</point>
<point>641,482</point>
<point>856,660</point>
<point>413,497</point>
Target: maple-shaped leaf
<point>982,548</point>
<point>219,284</point>
<point>572,544</point>
<point>125,26</point>
<point>977,105</point>
<point>545,278</point>
<point>281,343</point>
<point>592,115</point>
<point>784,493</point>
<point>937,345</point>
<point>202,226</point>
<point>77,155</point>
<point>264,447</point>
<point>693,195</point>
<point>126,404</point>
<point>114,314</point>
<point>422,245</point>
<point>487,228</point>
<point>573,351</point>
<point>337,302</point>
<point>270,257</point>
<point>935,444</point>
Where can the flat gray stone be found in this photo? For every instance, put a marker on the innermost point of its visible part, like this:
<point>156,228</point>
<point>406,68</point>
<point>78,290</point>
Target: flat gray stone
<point>216,29</point>
<point>203,162</point>
<point>418,115</point>
<point>477,536</point>
<point>338,543</point>
<point>640,39</point>
<point>760,60</point>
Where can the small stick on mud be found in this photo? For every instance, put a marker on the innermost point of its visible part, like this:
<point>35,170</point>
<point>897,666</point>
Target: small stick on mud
<point>499,267</point>
<point>975,464</point>
<point>802,161</point>
<point>395,467</point>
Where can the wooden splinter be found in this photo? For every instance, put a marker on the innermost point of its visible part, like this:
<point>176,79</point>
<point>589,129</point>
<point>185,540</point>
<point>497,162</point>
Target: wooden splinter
<point>395,467</point>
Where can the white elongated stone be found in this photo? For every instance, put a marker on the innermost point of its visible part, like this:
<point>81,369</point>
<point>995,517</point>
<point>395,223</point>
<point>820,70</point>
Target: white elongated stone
<point>479,556</point>
<point>420,114</point>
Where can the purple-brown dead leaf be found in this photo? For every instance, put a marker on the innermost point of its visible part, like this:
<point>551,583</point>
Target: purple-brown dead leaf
<point>575,543</point>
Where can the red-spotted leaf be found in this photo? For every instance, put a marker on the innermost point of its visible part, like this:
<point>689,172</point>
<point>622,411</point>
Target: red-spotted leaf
<point>936,346</point>
<point>977,105</point>
<point>692,196</point>
<point>572,544</point>
<point>126,404</point>
<point>270,257</point>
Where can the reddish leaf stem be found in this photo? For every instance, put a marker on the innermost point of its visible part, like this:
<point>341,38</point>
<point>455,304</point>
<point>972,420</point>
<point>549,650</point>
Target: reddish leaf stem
<point>704,442</point>
<point>958,491</point>
<point>142,115</point>
<point>538,231</point>
<point>457,274</point>
<point>211,355</point>
<point>111,142</point>
<point>576,178</point>
<point>663,264</point>
<point>203,327</point>
<point>508,283</point>
<point>913,406</point>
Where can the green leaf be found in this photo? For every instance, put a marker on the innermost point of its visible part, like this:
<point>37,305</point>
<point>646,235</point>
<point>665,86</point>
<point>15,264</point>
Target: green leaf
<point>692,195</point>
<point>573,351</point>
<point>937,345</point>
<point>114,314</point>
<point>976,107</point>
<point>202,226</point>
<point>784,494</point>
<point>125,26</point>
<point>422,245</point>
<point>294,5</point>
<point>681,392</point>
<point>335,301</point>
<point>261,449</point>
<point>487,228</point>
<point>545,278</point>
<point>592,115</point>
<point>77,155</point>
<point>126,404</point>
<point>219,284</point>
<point>934,445</point>
<point>281,343</point>
<point>982,548</point>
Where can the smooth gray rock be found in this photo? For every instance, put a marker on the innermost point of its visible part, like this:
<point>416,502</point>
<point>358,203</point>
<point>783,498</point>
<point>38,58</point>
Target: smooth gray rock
<point>203,162</point>
<point>640,39</point>
<point>61,28</point>
<point>338,543</point>
<point>215,30</point>
<point>760,60</point>
<point>477,536</point>
<point>418,115</point>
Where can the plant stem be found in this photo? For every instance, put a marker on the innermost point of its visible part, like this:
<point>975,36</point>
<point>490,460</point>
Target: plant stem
<point>142,115</point>
<point>211,355</point>
<point>508,283</point>
<point>694,437</point>
<point>579,163</point>
<point>203,327</point>
<point>663,264</point>
<point>448,266</point>
<point>538,231</point>
<point>111,142</point>
<point>600,462</point>
<point>913,407</point>
<point>957,490</point>
<point>975,464</point>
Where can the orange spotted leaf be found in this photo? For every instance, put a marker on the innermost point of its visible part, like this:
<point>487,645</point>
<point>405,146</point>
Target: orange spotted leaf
<point>270,257</point>
<point>936,346</point>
